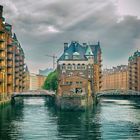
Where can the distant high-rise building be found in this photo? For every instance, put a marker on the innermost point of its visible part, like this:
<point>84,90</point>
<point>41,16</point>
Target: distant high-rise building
<point>134,71</point>
<point>45,72</point>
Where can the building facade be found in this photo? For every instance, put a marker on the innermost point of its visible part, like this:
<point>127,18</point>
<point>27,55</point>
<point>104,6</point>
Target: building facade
<point>12,70</point>
<point>115,78</point>
<point>79,70</point>
<point>36,81</point>
<point>134,71</point>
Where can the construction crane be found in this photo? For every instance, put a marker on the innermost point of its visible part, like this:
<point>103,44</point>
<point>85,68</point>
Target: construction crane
<point>54,57</point>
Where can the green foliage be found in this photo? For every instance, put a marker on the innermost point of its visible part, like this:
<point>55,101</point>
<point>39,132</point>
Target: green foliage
<point>51,82</point>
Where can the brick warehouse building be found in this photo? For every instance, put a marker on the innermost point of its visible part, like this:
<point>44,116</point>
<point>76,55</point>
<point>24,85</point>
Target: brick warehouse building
<point>12,65</point>
<point>115,78</point>
<point>134,71</point>
<point>79,69</point>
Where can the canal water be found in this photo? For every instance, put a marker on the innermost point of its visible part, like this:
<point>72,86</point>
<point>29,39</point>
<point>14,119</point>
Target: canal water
<point>35,120</point>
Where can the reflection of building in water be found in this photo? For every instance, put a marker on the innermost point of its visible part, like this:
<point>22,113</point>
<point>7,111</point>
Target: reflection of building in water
<point>79,70</point>
<point>115,78</point>
<point>78,125</point>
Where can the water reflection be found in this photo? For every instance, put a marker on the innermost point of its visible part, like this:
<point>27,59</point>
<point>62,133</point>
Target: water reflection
<point>10,118</point>
<point>34,119</point>
<point>78,125</point>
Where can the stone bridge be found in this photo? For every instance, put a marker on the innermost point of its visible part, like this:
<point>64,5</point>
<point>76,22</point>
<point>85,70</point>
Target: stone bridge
<point>33,93</point>
<point>121,94</point>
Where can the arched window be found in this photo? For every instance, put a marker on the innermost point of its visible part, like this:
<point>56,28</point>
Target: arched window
<point>83,66</point>
<point>63,66</point>
<point>69,67</point>
<point>78,66</point>
<point>74,66</point>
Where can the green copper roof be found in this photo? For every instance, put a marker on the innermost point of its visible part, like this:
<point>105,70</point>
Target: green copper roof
<point>88,51</point>
<point>136,54</point>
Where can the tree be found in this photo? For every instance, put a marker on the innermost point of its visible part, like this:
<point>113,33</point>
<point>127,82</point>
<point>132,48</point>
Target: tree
<point>51,82</point>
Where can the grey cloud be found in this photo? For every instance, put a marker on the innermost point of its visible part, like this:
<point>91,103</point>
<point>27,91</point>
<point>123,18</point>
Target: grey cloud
<point>84,20</point>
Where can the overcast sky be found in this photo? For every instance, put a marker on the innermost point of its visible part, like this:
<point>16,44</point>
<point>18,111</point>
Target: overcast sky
<point>43,26</point>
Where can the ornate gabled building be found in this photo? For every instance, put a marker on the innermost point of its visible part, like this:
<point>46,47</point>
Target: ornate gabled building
<point>12,77</point>
<point>134,71</point>
<point>79,69</point>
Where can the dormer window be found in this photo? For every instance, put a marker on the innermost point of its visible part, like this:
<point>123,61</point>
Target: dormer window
<point>76,55</point>
<point>66,56</point>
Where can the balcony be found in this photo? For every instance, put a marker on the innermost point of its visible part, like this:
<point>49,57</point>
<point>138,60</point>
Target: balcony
<point>9,82</point>
<point>2,31</point>
<point>17,54</point>
<point>17,65</point>
<point>1,40</point>
<point>10,58</point>
<point>9,44</point>
<point>1,67</point>
<point>21,60</point>
<point>9,72</point>
<point>20,74</point>
<point>16,70</point>
<point>16,76</point>
<point>21,68</point>
<point>2,48</point>
<point>9,65</point>
<point>1,78</point>
<point>20,80</point>
<point>16,60</point>
<point>21,63</point>
<point>10,51</point>
<point>2,58</point>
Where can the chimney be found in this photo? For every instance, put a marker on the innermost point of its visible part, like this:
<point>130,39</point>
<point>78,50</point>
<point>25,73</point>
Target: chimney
<point>65,46</point>
<point>1,11</point>
<point>98,43</point>
<point>84,44</point>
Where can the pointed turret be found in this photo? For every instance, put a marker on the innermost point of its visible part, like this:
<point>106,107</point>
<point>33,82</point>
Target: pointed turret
<point>15,37</point>
<point>89,52</point>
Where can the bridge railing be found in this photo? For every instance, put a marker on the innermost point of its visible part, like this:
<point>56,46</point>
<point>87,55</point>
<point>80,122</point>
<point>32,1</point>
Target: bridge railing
<point>118,92</point>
